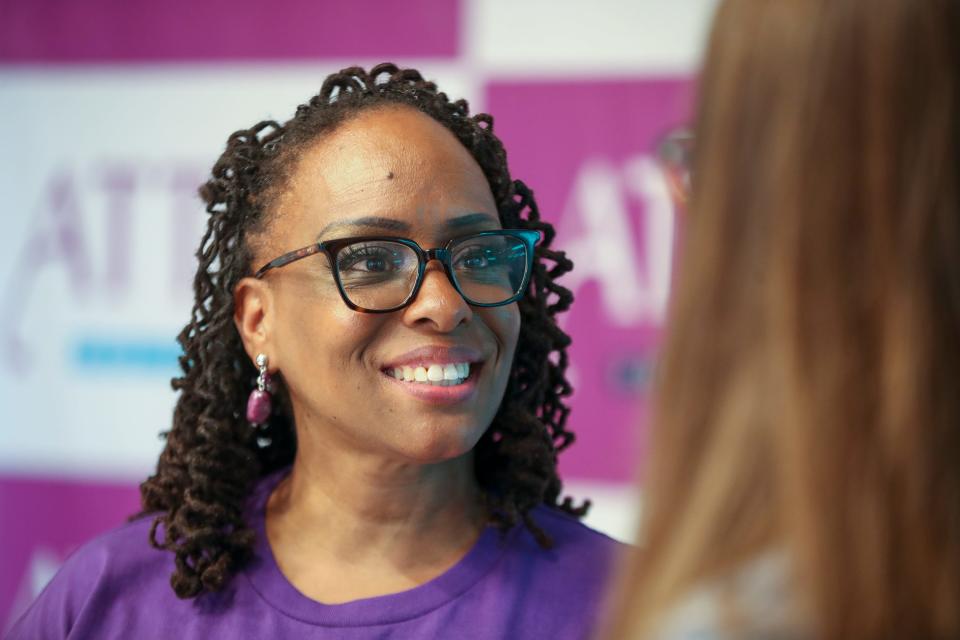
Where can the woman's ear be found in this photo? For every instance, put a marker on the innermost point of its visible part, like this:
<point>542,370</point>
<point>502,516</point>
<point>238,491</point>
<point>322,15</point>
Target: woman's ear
<point>253,317</point>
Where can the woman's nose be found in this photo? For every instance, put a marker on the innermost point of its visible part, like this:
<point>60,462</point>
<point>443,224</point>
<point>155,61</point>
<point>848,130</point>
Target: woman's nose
<point>438,303</point>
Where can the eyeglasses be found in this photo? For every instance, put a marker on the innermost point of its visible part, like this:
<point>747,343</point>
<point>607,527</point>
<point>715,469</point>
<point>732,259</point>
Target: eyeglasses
<point>675,157</point>
<point>379,274</point>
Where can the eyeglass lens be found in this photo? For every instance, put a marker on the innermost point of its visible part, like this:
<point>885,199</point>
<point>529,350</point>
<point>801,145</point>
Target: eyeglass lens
<point>381,274</point>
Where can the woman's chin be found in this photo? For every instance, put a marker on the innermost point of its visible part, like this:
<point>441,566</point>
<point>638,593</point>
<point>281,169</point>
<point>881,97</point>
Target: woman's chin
<point>437,444</point>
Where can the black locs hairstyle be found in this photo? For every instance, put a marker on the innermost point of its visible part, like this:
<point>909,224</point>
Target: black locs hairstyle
<point>213,457</point>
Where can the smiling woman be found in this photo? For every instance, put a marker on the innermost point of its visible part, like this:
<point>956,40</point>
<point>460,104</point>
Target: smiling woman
<point>386,291</point>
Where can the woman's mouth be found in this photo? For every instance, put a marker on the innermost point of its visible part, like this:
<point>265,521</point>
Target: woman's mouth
<point>437,374</point>
<point>433,374</point>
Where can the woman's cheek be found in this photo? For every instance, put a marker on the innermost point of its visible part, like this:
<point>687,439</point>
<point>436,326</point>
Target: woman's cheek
<point>505,323</point>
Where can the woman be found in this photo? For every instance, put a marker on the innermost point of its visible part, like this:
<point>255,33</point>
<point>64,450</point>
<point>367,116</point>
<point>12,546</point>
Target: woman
<point>804,477</point>
<point>371,405</point>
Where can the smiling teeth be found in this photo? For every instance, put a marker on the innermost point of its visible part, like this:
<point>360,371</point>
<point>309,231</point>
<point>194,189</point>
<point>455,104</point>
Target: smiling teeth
<point>435,374</point>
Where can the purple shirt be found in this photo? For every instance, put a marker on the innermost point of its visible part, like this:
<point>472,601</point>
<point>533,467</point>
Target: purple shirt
<point>117,586</point>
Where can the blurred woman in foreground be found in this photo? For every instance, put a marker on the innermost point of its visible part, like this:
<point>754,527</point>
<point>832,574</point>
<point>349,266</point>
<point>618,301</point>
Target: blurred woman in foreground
<point>805,470</point>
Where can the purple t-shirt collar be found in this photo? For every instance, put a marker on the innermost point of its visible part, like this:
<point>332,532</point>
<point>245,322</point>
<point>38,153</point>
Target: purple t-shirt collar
<point>266,578</point>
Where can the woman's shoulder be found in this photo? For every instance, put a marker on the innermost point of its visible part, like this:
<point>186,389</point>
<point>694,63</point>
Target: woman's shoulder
<point>123,553</point>
<point>120,561</point>
<point>575,548</point>
<point>567,530</point>
<point>556,590</point>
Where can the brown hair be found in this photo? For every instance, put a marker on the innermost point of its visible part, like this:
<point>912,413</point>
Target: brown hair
<point>808,395</point>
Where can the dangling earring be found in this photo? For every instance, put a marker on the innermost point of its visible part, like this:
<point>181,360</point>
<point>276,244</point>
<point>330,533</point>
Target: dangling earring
<point>259,403</point>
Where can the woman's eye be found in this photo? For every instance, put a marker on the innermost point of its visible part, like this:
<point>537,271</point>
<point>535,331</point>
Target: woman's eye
<point>371,261</point>
<point>374,264</point>
<point>474,259</point>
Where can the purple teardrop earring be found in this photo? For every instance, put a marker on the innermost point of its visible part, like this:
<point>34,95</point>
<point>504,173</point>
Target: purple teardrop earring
<point>259,402</point>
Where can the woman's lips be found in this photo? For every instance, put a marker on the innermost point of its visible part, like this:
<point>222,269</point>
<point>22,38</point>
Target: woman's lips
<point>436,354</point>
<point>438,374</point>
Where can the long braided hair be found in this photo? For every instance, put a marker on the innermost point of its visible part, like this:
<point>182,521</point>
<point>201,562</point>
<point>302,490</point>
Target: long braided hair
<point>213,458</point>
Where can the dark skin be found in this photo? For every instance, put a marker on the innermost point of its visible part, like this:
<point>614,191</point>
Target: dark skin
<point>382,496</point>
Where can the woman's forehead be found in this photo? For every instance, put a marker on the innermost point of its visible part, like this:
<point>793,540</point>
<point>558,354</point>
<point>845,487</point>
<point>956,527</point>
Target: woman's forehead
<point>394,163</point>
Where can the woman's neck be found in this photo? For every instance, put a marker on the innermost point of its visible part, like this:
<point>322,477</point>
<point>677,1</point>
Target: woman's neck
<point>355,525</point>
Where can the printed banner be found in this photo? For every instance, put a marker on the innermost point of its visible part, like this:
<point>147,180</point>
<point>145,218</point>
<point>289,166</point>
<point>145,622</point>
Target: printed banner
<point>586,148</point>
<point>117,110</point>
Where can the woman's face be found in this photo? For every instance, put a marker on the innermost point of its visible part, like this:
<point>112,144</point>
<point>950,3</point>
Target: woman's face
<point>395,172</point>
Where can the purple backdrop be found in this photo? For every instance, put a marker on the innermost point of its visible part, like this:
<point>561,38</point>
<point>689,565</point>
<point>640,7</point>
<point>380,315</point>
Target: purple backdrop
<point>98,31</point>
<point>585,148</point>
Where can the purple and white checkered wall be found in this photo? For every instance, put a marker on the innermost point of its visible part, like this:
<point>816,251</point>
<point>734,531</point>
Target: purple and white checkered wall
<point>114,111</point>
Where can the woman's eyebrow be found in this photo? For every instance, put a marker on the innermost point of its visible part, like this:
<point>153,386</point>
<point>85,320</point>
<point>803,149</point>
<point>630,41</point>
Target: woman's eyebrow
<point>367,222</point>
<point>392,224</point>
<point>471,220</point>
